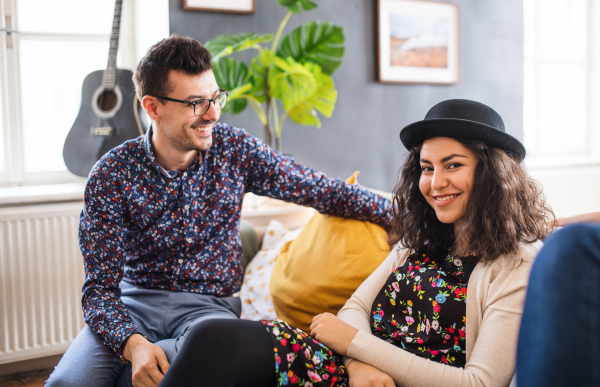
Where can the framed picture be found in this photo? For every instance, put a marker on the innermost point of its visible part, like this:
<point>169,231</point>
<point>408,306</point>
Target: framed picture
<point>233,6</point>
<point>419,42</point>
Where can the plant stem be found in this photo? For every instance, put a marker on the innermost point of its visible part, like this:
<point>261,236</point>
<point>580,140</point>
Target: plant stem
<point>276,124</point>
<point>267,128</point>
<point>278,143</point>
<point>279,32</point>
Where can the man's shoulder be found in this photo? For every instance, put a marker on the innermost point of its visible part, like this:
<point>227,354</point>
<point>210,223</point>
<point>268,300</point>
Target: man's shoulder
<point>231,135</point>
<point>119,160</point>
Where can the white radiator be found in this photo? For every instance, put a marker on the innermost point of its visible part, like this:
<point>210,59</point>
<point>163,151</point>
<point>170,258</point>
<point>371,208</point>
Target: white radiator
<point>570,191</point>
<point>41,274</point>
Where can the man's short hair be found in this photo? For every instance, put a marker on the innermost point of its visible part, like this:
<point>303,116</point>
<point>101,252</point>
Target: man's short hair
<point>182,53</point>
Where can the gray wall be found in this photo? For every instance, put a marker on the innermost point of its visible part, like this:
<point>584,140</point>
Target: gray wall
<point>363,132</point>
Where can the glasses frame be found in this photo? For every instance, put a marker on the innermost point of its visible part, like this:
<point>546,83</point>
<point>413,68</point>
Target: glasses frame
<point>196,102</point>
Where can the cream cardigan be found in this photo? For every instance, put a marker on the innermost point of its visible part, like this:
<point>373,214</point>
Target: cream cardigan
<point>495,298</point>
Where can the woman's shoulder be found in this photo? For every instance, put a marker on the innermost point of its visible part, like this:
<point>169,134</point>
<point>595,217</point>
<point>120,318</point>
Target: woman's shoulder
<point>524,256</point>
<point>505,279</point>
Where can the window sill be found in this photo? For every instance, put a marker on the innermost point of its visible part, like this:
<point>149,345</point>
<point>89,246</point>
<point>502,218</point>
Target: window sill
<point>36,194</point>
<point>560,162</point>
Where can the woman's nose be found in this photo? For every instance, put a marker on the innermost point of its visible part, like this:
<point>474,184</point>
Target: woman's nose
<point>439,180</point>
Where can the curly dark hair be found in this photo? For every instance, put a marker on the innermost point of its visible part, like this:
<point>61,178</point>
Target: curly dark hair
<point>182,53</point>
<point>506,208</point>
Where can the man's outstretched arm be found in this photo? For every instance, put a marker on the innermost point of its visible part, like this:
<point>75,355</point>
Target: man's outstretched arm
<point>274,175</point>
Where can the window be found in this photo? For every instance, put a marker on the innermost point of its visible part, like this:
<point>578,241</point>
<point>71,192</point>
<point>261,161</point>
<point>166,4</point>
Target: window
<point>561,50</point>
<point>56,44</point>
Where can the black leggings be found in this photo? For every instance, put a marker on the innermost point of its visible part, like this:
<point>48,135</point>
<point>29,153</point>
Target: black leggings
<point>224,353</point>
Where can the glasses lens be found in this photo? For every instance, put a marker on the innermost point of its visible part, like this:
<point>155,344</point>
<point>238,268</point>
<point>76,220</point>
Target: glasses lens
<point>222,100</point>
<point>201,107</point>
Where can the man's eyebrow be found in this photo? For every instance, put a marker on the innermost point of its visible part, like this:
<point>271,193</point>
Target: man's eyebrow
<point>445,158</point>
<point>196,96</point>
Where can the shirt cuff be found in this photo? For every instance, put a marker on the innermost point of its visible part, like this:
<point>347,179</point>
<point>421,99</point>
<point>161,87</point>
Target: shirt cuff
<point>116,339</point>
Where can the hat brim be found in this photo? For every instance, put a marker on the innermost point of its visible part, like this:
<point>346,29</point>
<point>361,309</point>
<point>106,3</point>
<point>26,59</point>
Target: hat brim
<point>417,132</point>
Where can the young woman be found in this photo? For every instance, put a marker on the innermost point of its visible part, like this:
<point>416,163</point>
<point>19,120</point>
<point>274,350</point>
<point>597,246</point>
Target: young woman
<point>443,308</point>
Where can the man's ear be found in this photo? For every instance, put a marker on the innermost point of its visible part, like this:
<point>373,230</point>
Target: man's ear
<point>150,105</point>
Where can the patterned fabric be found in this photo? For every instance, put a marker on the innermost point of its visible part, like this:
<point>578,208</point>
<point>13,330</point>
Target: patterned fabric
<point>257,303</point>
<point>179,230</point>
<point>301,360</point>
<point>422,307</point>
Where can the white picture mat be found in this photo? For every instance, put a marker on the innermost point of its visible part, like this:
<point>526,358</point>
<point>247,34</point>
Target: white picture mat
<point>233,5</point>
<point>418,74</point>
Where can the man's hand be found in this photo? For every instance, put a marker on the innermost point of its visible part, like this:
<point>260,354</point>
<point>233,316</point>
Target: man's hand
<point>589,217</point>
<point>149,362</point>
<point>364,375</point>
<point>332,332</point>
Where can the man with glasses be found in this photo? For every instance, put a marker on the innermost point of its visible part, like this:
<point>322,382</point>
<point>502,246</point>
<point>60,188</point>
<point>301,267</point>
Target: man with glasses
<point>159,231</point>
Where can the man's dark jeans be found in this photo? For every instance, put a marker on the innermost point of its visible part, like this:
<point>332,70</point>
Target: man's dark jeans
<point>559,342</point>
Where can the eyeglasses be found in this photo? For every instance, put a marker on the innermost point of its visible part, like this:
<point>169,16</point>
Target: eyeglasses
<point>202,105</point>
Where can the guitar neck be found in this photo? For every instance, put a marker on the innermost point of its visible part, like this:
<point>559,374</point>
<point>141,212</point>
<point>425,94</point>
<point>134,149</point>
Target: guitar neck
<point>109,78</point>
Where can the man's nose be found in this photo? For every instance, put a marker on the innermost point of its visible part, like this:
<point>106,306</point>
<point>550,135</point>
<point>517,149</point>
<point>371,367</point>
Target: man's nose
<point>213,113</point>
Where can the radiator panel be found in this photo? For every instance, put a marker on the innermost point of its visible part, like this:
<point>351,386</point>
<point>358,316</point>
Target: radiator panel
<point>41,273</point>
<point>571,191</point>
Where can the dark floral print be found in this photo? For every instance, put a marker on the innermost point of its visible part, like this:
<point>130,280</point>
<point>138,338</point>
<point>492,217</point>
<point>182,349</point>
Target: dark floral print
<point>179,230</point>
<point>301,360</point>
<point>422,308</point>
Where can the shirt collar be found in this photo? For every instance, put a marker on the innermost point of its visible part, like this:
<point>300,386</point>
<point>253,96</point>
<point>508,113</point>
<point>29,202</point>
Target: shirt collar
<point>150,154</point>
<point>148,149</point>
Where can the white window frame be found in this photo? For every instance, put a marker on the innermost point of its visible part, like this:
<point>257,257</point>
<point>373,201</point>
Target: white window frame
<point>591,155</point>
<point>143,23</point>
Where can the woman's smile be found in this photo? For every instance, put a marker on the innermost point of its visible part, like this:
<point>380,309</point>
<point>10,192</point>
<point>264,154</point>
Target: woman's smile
<point>444,200</point>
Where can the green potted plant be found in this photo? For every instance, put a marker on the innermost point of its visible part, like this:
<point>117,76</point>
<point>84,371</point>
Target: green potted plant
<point>293,74</point>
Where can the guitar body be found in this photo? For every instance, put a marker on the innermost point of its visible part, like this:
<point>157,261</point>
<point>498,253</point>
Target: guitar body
<point>107,118</point>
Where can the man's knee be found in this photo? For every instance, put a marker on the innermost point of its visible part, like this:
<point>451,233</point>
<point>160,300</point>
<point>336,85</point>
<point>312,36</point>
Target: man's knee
<point>578,241</point>
<point>87,362</point>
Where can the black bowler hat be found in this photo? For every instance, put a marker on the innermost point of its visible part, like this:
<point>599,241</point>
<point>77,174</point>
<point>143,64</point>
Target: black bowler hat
<point>463,119</point>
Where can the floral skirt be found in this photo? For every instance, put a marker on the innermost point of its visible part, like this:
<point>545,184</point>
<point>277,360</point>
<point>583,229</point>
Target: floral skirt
<point>301,360</point>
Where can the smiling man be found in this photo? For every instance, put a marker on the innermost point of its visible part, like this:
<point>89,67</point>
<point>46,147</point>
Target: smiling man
<point>159,231</point>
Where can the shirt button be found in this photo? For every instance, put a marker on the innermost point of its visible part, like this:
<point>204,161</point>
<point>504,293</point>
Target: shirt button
<point>174,282</point>
<point>187,207</point>
<point>184,174</point>
<point>189,240</point>
<point>180,261</point>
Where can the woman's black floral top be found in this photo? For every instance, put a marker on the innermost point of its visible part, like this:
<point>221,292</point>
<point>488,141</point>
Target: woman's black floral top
<point>422,308</point>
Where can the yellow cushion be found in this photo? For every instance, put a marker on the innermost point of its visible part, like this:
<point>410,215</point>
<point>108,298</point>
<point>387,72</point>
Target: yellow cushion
<point>319,270</point>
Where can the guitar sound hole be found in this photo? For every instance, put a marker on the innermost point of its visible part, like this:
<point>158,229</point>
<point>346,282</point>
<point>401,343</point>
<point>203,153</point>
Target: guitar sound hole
<point>107,100</point>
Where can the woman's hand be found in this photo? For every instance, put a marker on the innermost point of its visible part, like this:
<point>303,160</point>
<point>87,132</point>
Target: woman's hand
<point>364,375</point>
<point>332,332</point>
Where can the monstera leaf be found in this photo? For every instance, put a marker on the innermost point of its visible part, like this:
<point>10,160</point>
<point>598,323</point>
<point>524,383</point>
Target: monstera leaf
<point>296,5</point>
<point>290,75</point>
<point>233,75</point>
<point>302,100</point>
<point>224,45</point>
<point>316,42</point>
<point>258,70</point>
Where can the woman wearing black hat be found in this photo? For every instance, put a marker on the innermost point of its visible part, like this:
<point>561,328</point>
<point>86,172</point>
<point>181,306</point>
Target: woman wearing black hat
<point>466,218</point>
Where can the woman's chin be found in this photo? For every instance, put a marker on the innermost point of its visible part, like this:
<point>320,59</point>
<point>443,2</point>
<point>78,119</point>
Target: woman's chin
<point>447,218</point>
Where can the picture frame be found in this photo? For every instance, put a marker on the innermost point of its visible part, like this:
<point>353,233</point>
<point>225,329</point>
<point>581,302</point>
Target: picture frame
<point>229,6</point>
<point>418,42</point>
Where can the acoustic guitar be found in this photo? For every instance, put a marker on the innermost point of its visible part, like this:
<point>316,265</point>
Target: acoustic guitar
<point>109,113</point>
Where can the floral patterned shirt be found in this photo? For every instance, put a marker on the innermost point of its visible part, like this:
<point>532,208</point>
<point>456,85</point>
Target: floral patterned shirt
<point>179,230</point>
<point>422,308</point>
